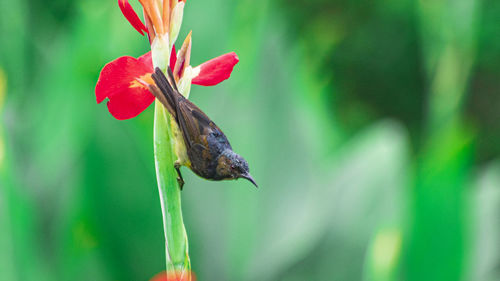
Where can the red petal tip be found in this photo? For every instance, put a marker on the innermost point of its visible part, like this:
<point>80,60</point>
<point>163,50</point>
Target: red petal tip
<point>131,16</point>
<point>216,70</point>
<point>173,57</point>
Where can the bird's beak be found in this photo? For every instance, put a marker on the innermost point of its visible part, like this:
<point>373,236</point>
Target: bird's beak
<point>250,179</point>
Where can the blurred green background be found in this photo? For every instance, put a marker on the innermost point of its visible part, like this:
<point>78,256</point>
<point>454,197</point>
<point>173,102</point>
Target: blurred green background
<point>371,127</point>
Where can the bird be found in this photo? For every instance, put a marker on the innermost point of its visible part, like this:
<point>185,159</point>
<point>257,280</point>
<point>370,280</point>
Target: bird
<point>202,146</point>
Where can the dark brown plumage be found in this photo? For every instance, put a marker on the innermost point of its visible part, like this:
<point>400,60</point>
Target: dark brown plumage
<point>209,152</point>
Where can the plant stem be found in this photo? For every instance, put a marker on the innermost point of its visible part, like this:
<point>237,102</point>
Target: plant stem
<point>176,242</point>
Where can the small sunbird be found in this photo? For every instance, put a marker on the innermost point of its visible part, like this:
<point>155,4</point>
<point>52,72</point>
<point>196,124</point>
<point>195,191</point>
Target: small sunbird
<point>203,147</point>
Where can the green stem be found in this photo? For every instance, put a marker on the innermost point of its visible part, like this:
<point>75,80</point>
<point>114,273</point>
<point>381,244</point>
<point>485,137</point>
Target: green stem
<point>176,242</point>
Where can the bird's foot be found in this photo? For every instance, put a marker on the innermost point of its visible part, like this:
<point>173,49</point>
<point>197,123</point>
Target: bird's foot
<point>180,180</point>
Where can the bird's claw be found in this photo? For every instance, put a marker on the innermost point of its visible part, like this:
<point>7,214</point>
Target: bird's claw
<point>180,180</point>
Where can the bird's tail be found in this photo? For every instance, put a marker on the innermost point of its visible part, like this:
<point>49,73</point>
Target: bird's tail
<point>165,91</point>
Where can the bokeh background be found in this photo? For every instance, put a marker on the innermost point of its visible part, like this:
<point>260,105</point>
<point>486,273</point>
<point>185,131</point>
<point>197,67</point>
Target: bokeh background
<point>372,128</point>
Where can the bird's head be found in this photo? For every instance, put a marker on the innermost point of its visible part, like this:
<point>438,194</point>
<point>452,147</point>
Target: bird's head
<point>232,166</point>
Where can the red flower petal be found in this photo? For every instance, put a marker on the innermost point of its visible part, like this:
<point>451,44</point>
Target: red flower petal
<point>129,105</point>
<point>131,16</point>
<point>173,57</point>
<point>216,70</point>
<point>118,82</point>
<point>147,60</point>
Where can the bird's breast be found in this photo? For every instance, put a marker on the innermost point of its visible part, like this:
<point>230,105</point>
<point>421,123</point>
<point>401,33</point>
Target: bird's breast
<point>179,145</point>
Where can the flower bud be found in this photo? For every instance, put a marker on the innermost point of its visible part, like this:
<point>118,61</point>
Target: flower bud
<point>183,58</point>
<point>176,21</point>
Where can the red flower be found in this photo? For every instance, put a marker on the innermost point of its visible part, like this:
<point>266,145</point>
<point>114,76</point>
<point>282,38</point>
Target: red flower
<point>124,81</point>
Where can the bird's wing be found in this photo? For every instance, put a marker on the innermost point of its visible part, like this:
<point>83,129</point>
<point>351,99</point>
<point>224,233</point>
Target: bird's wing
<point>155,90</point>
<point>194,124</point>
<point>164,92</point>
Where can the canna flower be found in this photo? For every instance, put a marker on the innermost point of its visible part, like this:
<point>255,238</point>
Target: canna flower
<point>124,81</point>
